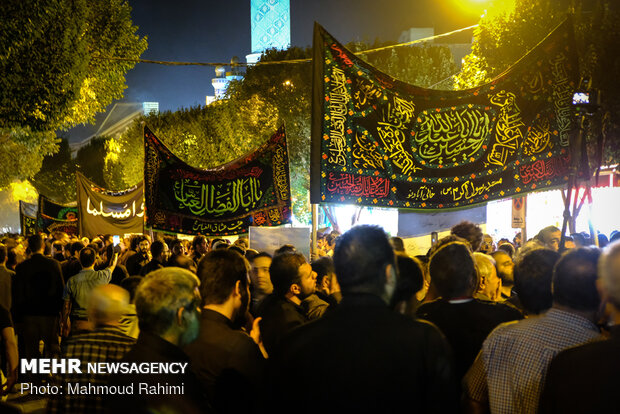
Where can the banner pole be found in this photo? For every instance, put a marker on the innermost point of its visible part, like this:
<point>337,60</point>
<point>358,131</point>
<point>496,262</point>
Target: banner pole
<point>313,248</point>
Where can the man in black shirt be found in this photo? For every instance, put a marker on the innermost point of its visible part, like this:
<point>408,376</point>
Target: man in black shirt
<point>37,300</point>
<point>136,262</point>
<point>167,307</point>
<point>361,357</point>
<point>159,252</point>
<point>226,360</point>
<point>464,321</point>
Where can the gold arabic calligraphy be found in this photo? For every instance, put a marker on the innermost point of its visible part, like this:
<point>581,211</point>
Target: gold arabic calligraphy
<point>217,199</point>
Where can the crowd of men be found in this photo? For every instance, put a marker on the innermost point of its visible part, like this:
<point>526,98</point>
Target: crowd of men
<point>472,326</point>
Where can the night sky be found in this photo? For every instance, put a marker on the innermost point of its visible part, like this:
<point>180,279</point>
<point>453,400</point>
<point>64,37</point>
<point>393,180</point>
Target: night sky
<point>210,31</point>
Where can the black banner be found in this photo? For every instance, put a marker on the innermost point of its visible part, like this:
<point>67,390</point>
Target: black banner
<point>251,191</point>
<point>53,216</point>
<point>103,211</point>
<point>27,218</point>
<point>377,141</point>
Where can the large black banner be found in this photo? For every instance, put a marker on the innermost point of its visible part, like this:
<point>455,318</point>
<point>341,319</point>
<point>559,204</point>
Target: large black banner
<point>103,211</point>
<point>27,218</point>
<point>251,191</point>
<point>53,216</point>
<point>377,141</point>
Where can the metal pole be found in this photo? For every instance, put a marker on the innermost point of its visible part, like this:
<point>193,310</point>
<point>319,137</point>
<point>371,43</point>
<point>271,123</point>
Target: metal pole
<point>315,217</point>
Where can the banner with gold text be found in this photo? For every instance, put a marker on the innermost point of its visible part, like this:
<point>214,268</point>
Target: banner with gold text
<point>253,190</point>
<point>109,212</point>
<point>377,141</point>
<point>53,216</point>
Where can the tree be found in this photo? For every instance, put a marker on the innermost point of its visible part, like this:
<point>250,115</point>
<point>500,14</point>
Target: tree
<point>56,177</point>
<point>267,97</point>
<point>54,74</point>
<point>501,39</point>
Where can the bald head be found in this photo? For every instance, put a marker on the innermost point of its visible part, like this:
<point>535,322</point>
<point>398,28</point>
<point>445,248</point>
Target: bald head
<point>107,304</point>
<point>609,271</point>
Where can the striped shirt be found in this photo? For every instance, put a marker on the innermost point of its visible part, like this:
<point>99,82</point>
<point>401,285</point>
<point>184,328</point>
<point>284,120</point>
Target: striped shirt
<point>510,370</point>
<point>104,344</point>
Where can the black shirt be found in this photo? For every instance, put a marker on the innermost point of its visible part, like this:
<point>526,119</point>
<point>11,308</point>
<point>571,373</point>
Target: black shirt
<point>466,325</point>
<point>226,361</point>
<point>280,316</point>
<point>152,348</point>
<point>363,358</point>
<point>38,287</point>
<point>584,379</point>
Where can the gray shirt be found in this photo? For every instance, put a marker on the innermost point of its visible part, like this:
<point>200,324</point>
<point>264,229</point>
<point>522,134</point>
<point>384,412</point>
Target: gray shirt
<point>78,289</point>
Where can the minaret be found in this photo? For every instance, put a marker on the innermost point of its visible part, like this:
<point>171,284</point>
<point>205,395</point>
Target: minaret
<point>270,25</point>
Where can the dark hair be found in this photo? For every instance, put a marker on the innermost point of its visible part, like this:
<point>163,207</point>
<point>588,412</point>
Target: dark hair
<point>88,255</point>
<point>219,271</point>
<point>237,248</point>
<point>157,248</point>
<point>398,244</point>
<point>410,279</point>
<point>453,271</point>
<point>198,240</point>
<point>574,279</point>
<point>543,235</point>
<point>174,243</point>
<point>532,275</point>
<point>261,254</point>
<point>360,258</point>
<point>35,243</point>
<point>130,284</point>
<point>2,252</point>
<point>284,271</point>
<point>615,235</point>
<point>76,247</point>
<point>287,248</point>
<point>602,240</point>
<point>508,248</point>
<point>470,232</point>
<point>323,266</point>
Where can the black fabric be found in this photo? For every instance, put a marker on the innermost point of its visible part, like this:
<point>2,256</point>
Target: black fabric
<point>70,267</point>
<point>5,318</point>
<point>151,267</point>
<point>380,142</point>
<point>584,379</point>
<point>280,316</point>
<point>28,218</point>
<point>227,361</point>
<point>52,216</point>
<point>181,260</point>
<point>363,358</point>
<point>466,325</point>
<point>37,287</point>
<point>135,263</point>
<point>6,282</point>
<point>253,190</point>
<point>152,348</point>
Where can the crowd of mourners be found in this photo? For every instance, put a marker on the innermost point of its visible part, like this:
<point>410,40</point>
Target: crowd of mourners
<point>473,326</point>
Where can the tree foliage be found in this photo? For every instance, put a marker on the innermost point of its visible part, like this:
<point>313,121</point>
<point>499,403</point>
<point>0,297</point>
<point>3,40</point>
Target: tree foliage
<point>54,75</point>
<point>501,39</point>
<point>267,97</point>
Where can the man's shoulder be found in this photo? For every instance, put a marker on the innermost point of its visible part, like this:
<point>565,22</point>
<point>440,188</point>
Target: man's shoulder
<point>102,337</point>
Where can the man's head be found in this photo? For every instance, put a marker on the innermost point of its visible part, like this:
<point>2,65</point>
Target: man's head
<point>609,271</point>
<point>532,279</point>
<point>452,270</point>
<point>167,305</point>
<point>365,262</point>
<point>88,255</point>
<point>106,305</point>
<point>487,246</point>
<point>397,244</point>
<point>489,283</point>
<point>143,245</point>
<point>76,247</point>
<point>325,271</point>
<point>550,237</point>
<point>36,244</point>
<point>470,232</point>
<point>574,280</point>
<point>224,276</point>
<point>159,251</point>
<point>504,266</point>
<point>292,276</point>
<point>261,280</point>
<point>199,244</point>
